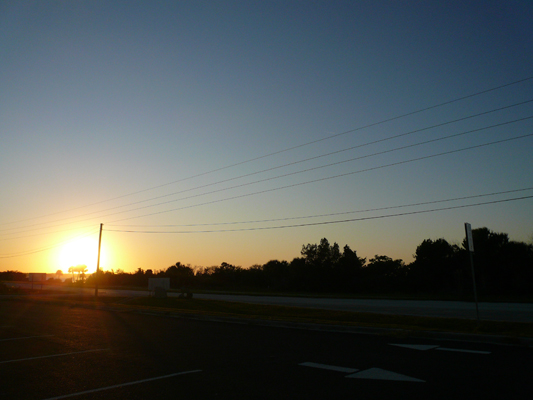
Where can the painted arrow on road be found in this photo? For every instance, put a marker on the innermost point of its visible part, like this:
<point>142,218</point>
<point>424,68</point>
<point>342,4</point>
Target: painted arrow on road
<point>371,373</point>
<point>329,367</point>
<point>383,374</point>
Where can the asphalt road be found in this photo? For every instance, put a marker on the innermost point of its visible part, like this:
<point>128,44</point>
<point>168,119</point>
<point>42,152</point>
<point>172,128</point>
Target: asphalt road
<point>518,312</point>
<point>450,309</point>
<point>53,352</point>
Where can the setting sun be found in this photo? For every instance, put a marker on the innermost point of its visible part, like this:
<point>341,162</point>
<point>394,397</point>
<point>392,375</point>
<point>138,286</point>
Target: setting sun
<point>83,251</point>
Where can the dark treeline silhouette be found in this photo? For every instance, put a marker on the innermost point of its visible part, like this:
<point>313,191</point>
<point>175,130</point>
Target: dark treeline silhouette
<point>502,267</point>
<point>13,276</point>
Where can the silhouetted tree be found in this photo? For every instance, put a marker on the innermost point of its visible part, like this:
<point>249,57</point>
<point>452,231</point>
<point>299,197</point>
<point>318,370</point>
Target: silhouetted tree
<point>436,266</point>
<point>320,260</point>
<point>347,271</point>
<point>383,274</point>
<point>13,276</point>
<point>488,256</point>
<point>502,266</point>
<point>180,275</point>
<point>329,269</point>
<point>81,270</point>
<point>321,254</point>
<point>254,277</point>
<point>298,275</point>
<point>518,268</point>
<point>276,274</point>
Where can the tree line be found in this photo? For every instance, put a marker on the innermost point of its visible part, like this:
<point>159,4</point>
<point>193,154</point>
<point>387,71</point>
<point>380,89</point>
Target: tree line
<point>502,267</point>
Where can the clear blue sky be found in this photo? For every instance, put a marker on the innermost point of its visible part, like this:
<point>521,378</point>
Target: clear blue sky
<point>103,99</point>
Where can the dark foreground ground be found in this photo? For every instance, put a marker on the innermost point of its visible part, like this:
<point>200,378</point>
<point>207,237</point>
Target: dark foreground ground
<point>51,351</point>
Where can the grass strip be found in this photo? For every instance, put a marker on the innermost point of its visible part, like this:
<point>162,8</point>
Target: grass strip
<point>221,308</point>
<point>311,315</point>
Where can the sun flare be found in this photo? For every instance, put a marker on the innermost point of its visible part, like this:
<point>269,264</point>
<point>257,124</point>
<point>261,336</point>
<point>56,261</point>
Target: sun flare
<point>83,251</point>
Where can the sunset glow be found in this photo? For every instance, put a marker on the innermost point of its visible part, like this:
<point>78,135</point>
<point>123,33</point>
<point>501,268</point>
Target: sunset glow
<point>204,132</point>
<point>82,251</point>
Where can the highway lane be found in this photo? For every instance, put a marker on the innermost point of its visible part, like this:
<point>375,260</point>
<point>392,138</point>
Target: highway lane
<point>50,351</point>
<point>518,312</point>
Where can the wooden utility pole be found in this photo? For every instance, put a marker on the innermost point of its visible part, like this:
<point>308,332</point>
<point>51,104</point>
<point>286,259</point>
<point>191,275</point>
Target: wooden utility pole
<point>98,263</point>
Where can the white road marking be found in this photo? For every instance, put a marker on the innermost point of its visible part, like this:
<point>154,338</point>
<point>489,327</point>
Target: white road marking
<point>122,385</point>
<point>416,346</point>
<point>27,337</point>
<point>53,355</point>
<point>382,374</point>
<point>436,347</point>
<point>329,367</point>
<point>464,351</point>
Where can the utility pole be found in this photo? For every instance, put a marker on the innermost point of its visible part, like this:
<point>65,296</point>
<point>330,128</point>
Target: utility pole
<point>470,248</point>
<point>98,263</point>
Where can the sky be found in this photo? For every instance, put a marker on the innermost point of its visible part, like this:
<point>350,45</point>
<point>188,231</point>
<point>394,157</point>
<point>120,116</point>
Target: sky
<point>204,132</point>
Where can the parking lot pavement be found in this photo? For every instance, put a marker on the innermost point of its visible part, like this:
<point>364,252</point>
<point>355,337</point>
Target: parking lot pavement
<point>53,352</point>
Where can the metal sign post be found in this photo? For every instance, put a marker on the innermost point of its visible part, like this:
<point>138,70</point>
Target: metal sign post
<point>470,244</point>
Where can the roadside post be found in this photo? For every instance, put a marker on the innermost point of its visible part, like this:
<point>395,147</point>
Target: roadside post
<point>37,277</point>
<point>470,248</point>
<point>98,263</point>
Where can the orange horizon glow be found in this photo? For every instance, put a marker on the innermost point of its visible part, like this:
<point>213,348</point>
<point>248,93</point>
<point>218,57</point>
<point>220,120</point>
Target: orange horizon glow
<point>81,251</point>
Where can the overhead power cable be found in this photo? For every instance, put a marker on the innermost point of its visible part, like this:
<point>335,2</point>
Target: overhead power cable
<point>327,222</point>
<point>327,178</point>
<point>289,148</point>
<point>42,233</point>
<point>307,169</point>
<point>278,176</point>
<point>330,214</point>
<point>297,225</point>
<point>39,250</point>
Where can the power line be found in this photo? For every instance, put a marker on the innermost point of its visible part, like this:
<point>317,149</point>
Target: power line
<point>288,174</point>
<point>332,153</point>
<point>289,148</point>
<point>316,168</point>
<point>335,214</point>
<point>341,151</point>
<point>327,222</point>
<point>274,227</point>
<point>327,178</point>
<point>28,252</point>
<point>42,233</point>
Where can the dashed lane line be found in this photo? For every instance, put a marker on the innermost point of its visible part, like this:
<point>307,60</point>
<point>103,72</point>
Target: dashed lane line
<point>422,347</point>
<point>122,385</point>
<point>52,355</point>
<point>329,367</point>
<point>26,337</point>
